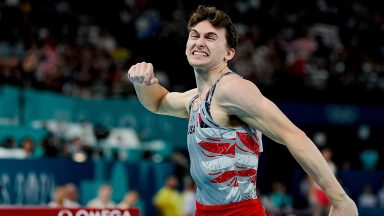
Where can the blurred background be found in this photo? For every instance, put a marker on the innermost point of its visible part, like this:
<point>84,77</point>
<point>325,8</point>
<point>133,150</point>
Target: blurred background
<point>72,132</point>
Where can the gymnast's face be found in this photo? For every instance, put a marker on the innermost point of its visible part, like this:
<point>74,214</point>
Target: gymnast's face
<point>207,46</point>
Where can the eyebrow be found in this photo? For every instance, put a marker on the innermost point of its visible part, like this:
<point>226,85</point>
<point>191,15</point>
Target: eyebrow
<point>208,33</point>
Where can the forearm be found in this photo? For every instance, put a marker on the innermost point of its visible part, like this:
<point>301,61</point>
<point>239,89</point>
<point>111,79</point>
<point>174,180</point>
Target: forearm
<point>151,96</point>
<point>311,160</point>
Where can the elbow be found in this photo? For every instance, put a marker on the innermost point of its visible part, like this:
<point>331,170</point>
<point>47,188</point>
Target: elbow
<point>296,138</point>
<point>151,109</point>
<point>154,109</point>
<point>154,106</point>
<point>301,135</point>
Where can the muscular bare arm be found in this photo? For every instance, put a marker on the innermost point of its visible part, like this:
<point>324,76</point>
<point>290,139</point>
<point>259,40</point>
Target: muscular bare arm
<point>242,98</point>
<point>155,97</point>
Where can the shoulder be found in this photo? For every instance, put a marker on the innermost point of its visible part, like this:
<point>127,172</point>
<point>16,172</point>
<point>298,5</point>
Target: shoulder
<point>190,93</point>
<point>235,87</point>
<point>182,96</point>
<point>71,204</point>
<point>238,96</point>
<point>52,204</point>
<point>93,202</point>
<point>188,96</point>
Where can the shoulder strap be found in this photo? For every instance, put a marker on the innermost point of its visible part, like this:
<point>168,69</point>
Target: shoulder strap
<point>208,98</point>
<point>213,87</point>
<point>191,103</point>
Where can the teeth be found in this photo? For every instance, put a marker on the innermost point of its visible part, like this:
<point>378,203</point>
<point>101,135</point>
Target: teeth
<point>200,53</point>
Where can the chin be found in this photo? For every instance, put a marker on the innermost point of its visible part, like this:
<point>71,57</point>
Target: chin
<point>198,66</point>
<point>197,63</point>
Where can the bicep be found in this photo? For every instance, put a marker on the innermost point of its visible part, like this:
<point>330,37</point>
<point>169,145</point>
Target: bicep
<point>176,104</point>
<point>247,103</point>
<point>269,119</point>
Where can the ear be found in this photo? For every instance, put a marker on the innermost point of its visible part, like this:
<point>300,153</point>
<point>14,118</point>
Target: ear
<point>230,54</point>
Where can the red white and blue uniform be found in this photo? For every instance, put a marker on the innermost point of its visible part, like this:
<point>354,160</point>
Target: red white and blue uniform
<point>224,162</point>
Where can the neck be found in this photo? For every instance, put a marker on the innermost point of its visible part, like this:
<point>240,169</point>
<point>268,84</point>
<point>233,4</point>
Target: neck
<point>206,78</point>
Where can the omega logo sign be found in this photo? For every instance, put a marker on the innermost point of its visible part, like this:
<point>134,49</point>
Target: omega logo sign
<point>83,212</point>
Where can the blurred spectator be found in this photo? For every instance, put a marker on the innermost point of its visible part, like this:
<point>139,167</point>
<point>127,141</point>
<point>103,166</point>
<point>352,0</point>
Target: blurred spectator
<point>123,137</point>
<point>28,147</point>
<point>8,149</point>
<point>266,201</point>
<point>58,198</point>
<point>9,143</point>
<point>168,200</point>
<point>189,197</point>
<point>101,132</point>
<point>83,55</point>
<point>13,47</point>
<point>328,154</point>
<point>71,196</point>
<point>316,196</point>
<point>369,159</point>
<point>76,146</point>
<point>367,198</point>
<point>368,155</point>
<point>318,200</point>
<point>181,165</point>
<point>82,130</point>
<point>48,144</point>
<point>106,42</point>
<point>130,200</point>
<point>103,199</point>
<point>280,199</point>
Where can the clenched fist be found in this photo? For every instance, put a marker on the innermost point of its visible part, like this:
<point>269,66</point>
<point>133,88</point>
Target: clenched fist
<point>142,74</point>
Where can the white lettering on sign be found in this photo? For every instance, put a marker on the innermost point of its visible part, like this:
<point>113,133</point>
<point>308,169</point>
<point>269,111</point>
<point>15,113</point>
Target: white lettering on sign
<point>26,188</point>
<point>4,195</point>
<point>97,213</point>
<point>47,186</point>
<point>84,212</point>
<point>19,181</point>
<point>65,212</point>
<point>32,189</point>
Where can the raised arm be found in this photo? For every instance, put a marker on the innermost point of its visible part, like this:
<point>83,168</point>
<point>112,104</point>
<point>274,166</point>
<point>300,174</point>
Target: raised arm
<point>155,97</point>
<point>242,98</point>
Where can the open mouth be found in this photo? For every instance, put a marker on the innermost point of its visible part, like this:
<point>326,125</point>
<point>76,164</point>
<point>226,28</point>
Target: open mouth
<point>199,53</point>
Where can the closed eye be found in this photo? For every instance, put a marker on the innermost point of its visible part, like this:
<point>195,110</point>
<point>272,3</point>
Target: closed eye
<point>211,36</point>
<point>193,34</point>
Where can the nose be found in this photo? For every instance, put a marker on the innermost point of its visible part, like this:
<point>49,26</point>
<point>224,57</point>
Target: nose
<point>200,42</point>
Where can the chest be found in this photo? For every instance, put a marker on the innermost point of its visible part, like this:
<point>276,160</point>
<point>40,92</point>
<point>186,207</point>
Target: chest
<point>213,112</point>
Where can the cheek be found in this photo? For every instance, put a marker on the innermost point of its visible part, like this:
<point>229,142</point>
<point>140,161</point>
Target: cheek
<point>188,48</point>
<point>220,53</point>
<point>189,44</point>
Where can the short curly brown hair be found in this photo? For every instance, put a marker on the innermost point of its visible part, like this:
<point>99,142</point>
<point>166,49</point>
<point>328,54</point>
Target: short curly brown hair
<point>218,19</point>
